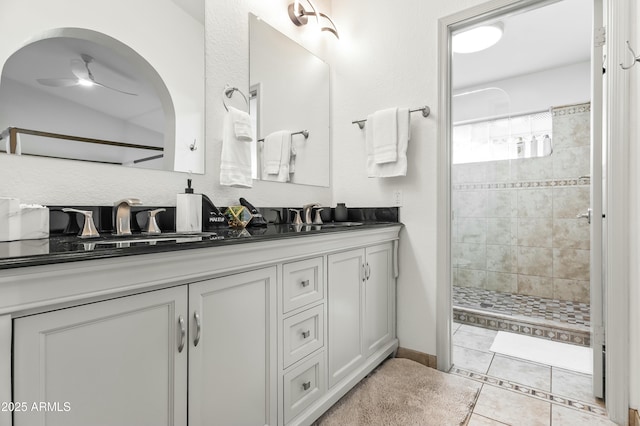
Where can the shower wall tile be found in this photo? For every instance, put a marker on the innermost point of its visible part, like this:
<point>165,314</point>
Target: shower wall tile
<point>535,286</point>
<point>577,291</point>
<point>571,162</point>
<point>537,232</point>
<point>502,231</point>
<point>535,261</point>
<point>571,264</point>
<point>571,233</point>
<point>535,202</point>
<point>469,172</point>
<point>472,278</point>
<point>470,204</point>
<point>570,201</point>
<point>500,281</point>
<point>532,169</point>
<point>515,226</point>
<point>472,256</point>
<point>502,203</point>
<point>472,230</point>
<point>502,258</point>
<point>571,127</point>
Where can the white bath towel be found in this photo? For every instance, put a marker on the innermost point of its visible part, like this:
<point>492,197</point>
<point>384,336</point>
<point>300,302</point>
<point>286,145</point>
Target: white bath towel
<point>399,167</point>
<point>384,124</point>
<point>276,156</point>
<point>235,159</point>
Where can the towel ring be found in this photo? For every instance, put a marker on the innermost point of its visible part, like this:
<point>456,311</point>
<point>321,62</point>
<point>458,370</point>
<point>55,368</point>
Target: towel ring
<point>228,92</point>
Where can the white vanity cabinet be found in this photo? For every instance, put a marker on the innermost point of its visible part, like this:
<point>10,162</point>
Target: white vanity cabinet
<point>114,362</point>
<point>264,333</point>
<point>361,307</point>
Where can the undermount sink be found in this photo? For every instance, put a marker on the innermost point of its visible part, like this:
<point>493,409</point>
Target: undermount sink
<point>151,239</point>
<point>341,224</point>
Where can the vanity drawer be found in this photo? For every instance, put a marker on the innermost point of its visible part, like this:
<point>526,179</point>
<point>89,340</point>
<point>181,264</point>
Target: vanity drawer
<point>303,283</point>
<point>303,334</point>
<point>303,385</point>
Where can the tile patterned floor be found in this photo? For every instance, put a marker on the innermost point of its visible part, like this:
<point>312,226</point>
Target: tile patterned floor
<point>561,311</point>
<point>519,392</point>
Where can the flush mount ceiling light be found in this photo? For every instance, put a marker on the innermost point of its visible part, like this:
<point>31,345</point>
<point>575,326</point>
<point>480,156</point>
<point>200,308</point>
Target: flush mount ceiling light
<point>478,38</point>
<point>300,16</point>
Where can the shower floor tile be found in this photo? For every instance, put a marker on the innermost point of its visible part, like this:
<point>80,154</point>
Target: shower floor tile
<point>560,311</point>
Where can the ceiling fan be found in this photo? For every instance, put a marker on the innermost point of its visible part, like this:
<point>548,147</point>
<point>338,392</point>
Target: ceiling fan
<point>84,76</point>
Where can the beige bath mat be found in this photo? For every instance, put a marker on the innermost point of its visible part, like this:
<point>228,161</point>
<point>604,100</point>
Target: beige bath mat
<point>404,392</point>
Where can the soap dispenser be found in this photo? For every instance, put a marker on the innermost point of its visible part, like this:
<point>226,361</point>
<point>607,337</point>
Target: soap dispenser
<point>189,210</point>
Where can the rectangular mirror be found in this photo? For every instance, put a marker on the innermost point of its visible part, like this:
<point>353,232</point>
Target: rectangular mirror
<point>289,91</point>
<point>104,84</point>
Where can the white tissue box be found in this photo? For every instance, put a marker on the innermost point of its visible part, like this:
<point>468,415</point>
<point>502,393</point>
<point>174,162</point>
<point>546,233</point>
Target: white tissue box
<point>22,222</point>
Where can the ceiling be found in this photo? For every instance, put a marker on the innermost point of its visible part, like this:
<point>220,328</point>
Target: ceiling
<point>534,40</point>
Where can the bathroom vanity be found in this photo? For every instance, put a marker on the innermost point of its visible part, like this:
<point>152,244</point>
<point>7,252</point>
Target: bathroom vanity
<point>266,329</point>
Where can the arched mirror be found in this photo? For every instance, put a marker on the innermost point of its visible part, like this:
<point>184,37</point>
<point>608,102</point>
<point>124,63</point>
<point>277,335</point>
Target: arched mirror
<point>102,92</point>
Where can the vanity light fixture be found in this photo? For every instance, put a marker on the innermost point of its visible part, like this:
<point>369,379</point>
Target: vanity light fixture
<point>300,16</point>
<point>478,38</point>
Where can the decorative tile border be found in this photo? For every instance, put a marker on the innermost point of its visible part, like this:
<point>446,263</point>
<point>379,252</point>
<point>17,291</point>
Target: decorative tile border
<point>531,392</point>
<point>519,326</point>
<point>523,185</point>
<point>571,109</point>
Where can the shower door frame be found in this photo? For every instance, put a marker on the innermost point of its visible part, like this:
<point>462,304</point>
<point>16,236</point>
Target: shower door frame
<point>616,187</point>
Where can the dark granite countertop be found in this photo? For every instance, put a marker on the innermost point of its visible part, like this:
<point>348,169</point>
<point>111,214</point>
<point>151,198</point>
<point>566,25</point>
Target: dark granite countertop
<point>61,249</point>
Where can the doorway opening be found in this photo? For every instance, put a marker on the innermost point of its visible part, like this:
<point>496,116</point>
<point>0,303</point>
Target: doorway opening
<point>522,114</point>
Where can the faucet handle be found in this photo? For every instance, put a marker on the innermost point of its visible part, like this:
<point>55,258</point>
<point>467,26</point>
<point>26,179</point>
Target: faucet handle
<point>297,220</point>
<point>152,225</point>
<point>89,229</point>
<point>317,220</point>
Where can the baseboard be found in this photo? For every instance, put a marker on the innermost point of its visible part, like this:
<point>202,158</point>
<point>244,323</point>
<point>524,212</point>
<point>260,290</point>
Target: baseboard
<point>417,356</point>
<point>634,417</point>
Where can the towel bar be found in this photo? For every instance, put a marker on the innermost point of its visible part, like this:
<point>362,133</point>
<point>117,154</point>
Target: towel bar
<point>425,113</point>
<point>304,133</point>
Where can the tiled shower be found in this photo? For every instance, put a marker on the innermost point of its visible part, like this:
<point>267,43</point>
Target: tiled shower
<point>520,254</point>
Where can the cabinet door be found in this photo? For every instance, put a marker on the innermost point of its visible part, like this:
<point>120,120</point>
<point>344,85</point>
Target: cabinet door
<point>233,352</point>
<point>108,363</point>
<point>345,277</point>
<point>378,306</point>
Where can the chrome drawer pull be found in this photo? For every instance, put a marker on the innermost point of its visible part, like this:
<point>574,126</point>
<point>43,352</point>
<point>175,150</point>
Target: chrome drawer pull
<point>197,318</point>
<point>183,333</point>
<point>306,385</point>
<point>305,283</point>
<point>306,334</point>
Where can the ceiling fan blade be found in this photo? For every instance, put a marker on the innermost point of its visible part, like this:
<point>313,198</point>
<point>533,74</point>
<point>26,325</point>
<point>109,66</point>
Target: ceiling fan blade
<point>58,82</point>
<point>80,69</point>
<point>113,88</point>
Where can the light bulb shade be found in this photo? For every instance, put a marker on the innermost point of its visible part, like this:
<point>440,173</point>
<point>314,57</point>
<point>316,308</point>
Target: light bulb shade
<point>478,38</point>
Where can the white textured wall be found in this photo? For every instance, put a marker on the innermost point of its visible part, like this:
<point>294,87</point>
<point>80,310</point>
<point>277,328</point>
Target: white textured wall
<point>387,57</point>
<point>61,182</point>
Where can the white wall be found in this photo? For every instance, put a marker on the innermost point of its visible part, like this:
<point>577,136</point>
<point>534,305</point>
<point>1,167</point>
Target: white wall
<point>61,182</point>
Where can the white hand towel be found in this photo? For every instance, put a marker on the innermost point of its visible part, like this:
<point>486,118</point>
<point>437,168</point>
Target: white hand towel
<point>292,159</point>
<point>399,167</point>
<point>276,154</point>
<point>242,126</point>
<point>235,159</point>
<point>385,135</point>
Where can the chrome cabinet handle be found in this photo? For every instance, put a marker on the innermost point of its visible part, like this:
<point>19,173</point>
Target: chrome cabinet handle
<point>305,283</point>
<point>306,334</point>
<point>306,385</point>
<point>364,273</point>
<point>368,271</point>
<point>197,338</point>
<point>183,333</point>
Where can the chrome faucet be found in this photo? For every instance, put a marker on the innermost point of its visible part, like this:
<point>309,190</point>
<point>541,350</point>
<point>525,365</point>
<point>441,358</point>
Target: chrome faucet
<point>307,209</point>
<point>123,215</point>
